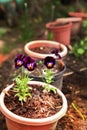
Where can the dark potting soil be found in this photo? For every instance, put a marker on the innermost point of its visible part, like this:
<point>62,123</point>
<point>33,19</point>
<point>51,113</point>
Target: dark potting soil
<point>39,105</point>
<point>44,50</point>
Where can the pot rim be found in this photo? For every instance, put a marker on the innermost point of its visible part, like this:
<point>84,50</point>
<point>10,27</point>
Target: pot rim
<point>70,19</point>
<point>78,14</point>
<point>48,43</point>
<point>52,25</point>
<point>29,121</point>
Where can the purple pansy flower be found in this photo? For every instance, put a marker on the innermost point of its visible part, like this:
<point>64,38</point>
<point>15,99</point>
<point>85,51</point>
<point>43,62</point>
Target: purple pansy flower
<point>29,63</point>
<point>26,60</point>
<point>49,61</point>
<point>56,52</point>
<point>19,61</point>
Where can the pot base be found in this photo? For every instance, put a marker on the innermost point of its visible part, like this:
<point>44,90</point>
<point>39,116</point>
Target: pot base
<point>11,125</point>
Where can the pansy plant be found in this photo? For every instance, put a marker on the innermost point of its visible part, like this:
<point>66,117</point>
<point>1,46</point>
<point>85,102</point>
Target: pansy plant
<point>56,52</point>
<point>49,62</point>
<point>21,61</point>
<point>21,89</point>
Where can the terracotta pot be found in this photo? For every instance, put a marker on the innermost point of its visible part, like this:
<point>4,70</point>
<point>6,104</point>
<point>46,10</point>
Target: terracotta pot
<point>15,122</point>
<point>61,31</point>
<point>82,15</point>
<point>3,58</point>
<point>76,24</point>
<point>44,43</point>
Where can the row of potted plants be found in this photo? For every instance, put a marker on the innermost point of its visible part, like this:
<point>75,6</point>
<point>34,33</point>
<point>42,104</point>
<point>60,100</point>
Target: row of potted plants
<point>35,100</point>
<point>30,103</point>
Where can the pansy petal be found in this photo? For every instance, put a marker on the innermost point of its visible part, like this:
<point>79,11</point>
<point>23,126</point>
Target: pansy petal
<point>56,52</point>
<point>26,61</point>
<point>49,62</point>
<point>19,60</point>
<point>31,66</point>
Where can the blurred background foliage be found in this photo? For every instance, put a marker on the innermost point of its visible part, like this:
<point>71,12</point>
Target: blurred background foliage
<point>30,16</point>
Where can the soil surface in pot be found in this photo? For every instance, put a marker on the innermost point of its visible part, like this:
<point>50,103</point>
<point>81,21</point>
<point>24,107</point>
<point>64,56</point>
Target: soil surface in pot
<point>44,50</point>
<point>40,104</point>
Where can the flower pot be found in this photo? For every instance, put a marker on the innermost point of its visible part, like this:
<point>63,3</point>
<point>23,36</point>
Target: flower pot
<point>16,122</point>
<point>44,43</point>
<point>3,58</point>
<point>57,80</point>
<point>61,31</point>
<point>82,15</point>
<point>76,24</point>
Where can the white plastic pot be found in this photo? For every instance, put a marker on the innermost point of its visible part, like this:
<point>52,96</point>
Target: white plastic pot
<point>15,122</point>
<point>44,43</point>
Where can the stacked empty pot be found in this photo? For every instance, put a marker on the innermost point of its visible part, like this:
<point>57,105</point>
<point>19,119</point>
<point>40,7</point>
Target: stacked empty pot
<point>76,24</point>
<point>78,14</point>
<point>61,31</point>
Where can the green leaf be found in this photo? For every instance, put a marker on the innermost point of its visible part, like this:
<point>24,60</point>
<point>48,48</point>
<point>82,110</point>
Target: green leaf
<point>85,46</point>
<point>82,43</point>
<point>80,51</point>
<point>50,36</point>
